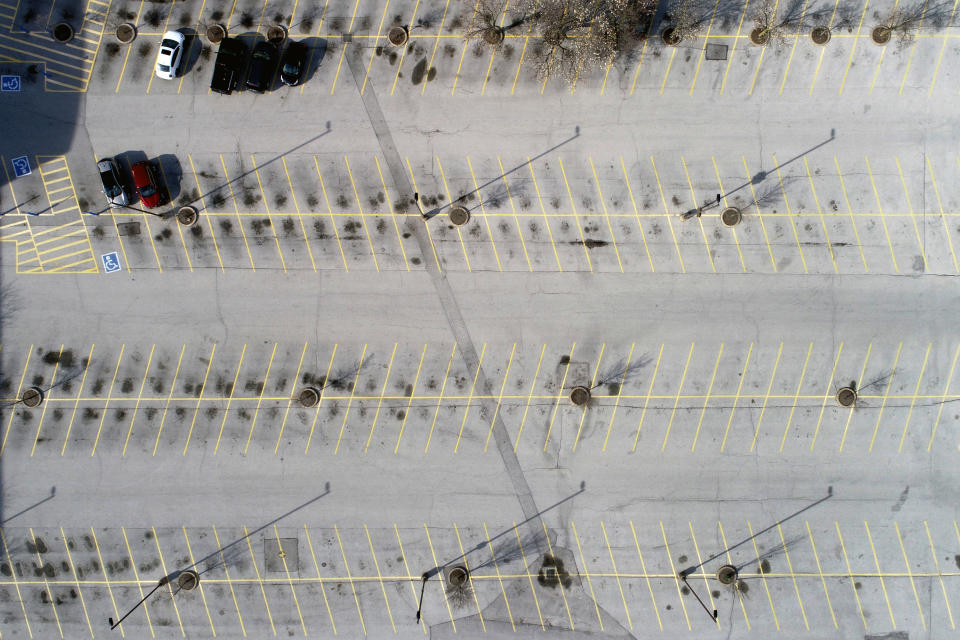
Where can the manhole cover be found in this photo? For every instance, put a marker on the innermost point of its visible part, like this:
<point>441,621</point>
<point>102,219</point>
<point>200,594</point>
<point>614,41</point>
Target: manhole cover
<point>281,555</point>
<point>715,51</point>
<point>847,396</point>
<point>128,228</point>
<point>188,580</point>
<point>309,397</point>
<point>580,396</point>
<point>459,216</point>
<point>32,397</point>
<point>727,574</point>
<point>731,216</point>
<point>457,576</point>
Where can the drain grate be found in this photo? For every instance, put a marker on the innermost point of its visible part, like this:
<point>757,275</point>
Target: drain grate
<point>281,555</point>
<point>128,228</point>
<point>715,52</point>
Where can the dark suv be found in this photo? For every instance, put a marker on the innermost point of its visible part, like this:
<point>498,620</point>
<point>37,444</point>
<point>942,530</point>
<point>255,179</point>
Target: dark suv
<point>228,66</point>
<point>263,63</point>
<point>294,63</point>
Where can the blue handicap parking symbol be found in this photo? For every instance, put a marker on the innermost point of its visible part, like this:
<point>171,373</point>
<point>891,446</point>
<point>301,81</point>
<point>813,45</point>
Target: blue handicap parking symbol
<point>111,262</point>
<point>9,83</point>
<point>21,166</point>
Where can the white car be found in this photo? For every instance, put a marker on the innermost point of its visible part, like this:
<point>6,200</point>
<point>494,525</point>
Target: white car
<point>171,56</point>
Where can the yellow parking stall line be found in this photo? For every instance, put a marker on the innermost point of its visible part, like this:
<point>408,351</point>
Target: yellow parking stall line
<point>823,50</point>
<point>673,54</point>
<point>583,560</point>
<point>736,39</point>
<point>76,579</point>
<point>43,232</point>
<point>943,398</point>
<point>106,577</point>
<point>226,571</point>
<point>383,391</point>
<point>413,393</point>
<point>433,247</point>
<point>286,413</point>
<point>796,397</point>
<point>826,233</point>
<point>76,404</point>
<point>523,51</point>
<point>343,51</point>
<point>443,386</point>
<point>106,405</point>
<point>643,567</point>
<point>736,399</point>
<point>766,397</point>
<point>883,217</point>
<point>333,221</point>
<point>666,213</point>
<point>233,388</point>
<point>403,50</point>
<point>946,227</point>
<point>827,395</point>
<point>702,230</point>
<point>886,391</point>
<point>353,586</point>
<point>43,412</point>
<point>68,255</point>
<point>696,73</point>
<point>593,385</point>
<point>706,584</point>
<point>46,584</point>
<point>533,591</point>
<point>646,400</point>
<point>606,215</point>
<point>213,234</point>
<point>166,406</point>
<point>493,53</point>
<point>853,50</point>
<point>883,50</point>
<point>613,563</point>
<point>473,386</point>
<point>236,209</point>
<point>496,566</point>
<point>793,224</point>
<point>526,408</point>
<point>436,43</point>
<point>576,218</point>
<point>676,400</point>
<point>316,415</point>
<point>913,48</point>
<point>256,412</point>
<point>546,223</point>
<point>446,187</point>
<point>203,388</point>
<point>366,75</point>
<point>883,585</point>
<point>733,230</point>
<point>276,236</point>
<point>256,571</point>
<point>913,400</point>
<point>823,580</point>
<point>673,570</point>
<point>463,53</point>
<point>616,403</point>
<point>376,564</point>
<point>913,585</point>
<point>393,214</point>
<point>199,24</point>
<point>496,411</point>
<point>743,607</point>
<point>467,566</point>
<point>936,68</point>
<point>323,16</point>
<point>483,210</point>
<point>183,242</point>
<point>763,226</point>
<point>556,402</point>
<point>863,371</point>
<point>853,222</point>
<point>706,400</point>
<point>763,578</point>
<point>913,218</point>
<point>793,576</point>
<point>406,567</point>
<point>126,58</point>
<point>16,583</point>
<point>23,376</point>
<point>323,591</point>
<point>353,391</point>
<point>513,208</point>
<point>436,563</point>
<point>636,211</point>
<point>936,564</point>
<point>203,596</point>
<point>293,591</point>
<point>263,11</point>
<point>363,218</point>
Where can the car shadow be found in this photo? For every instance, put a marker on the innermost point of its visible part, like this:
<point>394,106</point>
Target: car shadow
<point>193,46</point>
<point>171,174</point>
<point>318,49</point>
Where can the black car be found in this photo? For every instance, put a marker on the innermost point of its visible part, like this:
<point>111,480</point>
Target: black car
<point>263,63</point>
<point>294,63</point>
<point>228,66</point>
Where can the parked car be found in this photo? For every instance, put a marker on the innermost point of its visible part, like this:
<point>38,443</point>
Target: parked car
<point>294,63</point>
<point>147,184</point>
<point>228,67</point>
<point>263,63</point>
<point>110,179</point>
<point>171,57</point>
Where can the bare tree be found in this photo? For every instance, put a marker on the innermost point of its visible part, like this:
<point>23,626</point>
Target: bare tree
<point>683,23</point>
<point>769,24</point>
<point>902,22</point>
<point>486,21</point>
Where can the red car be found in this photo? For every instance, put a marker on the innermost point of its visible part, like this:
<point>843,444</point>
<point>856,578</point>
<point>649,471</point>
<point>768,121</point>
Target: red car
<point>148,187</point>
